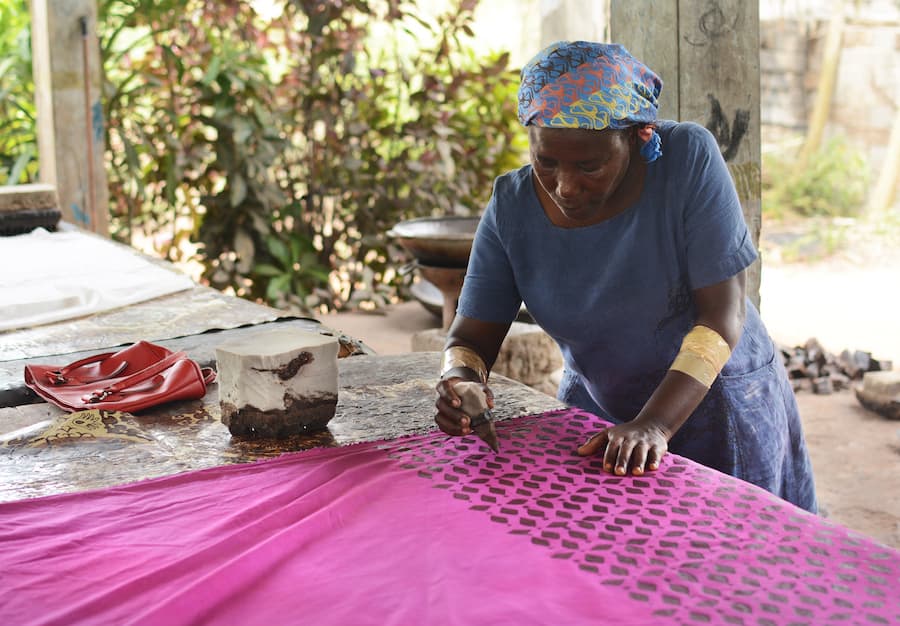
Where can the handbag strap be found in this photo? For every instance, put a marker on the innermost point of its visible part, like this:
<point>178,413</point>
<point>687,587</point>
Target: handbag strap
<point>58,377</point>
<point>138,377</point>
<point>209,375</point>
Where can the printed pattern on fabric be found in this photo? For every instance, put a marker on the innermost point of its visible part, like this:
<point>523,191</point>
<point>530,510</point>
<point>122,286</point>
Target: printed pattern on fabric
<point>702,545</point>
<point>587,85</point>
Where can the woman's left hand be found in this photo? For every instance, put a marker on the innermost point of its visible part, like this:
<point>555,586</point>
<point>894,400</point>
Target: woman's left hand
<point>634,446</point>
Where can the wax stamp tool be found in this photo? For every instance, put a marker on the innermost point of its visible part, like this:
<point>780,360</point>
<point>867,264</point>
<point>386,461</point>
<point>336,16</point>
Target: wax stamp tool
<point>474,404</point>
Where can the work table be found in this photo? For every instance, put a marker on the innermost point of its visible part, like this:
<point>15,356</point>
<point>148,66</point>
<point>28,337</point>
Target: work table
<point>45,451</point>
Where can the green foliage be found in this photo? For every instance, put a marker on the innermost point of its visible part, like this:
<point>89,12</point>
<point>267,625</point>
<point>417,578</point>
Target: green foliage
<point>18,138</point>
<point>285,146</point>
<point>834,183</point>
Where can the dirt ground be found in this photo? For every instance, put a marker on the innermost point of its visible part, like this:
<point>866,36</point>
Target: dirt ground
<point>842,287</point>
<point>851,299</point>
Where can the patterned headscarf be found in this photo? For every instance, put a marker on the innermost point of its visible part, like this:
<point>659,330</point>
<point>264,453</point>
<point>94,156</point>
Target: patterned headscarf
<point>581,84</point>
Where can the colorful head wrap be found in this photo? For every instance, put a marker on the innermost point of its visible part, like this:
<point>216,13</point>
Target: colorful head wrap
<point>581,84</point>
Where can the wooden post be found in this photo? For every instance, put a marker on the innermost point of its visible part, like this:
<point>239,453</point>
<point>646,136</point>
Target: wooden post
<point>831,57</point>
<point>883,195</point>
<point>652,44</point>
<point>707,53</point>
<point>66,65</point>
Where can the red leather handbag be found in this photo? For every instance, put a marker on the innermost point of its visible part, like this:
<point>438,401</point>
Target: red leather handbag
<point>135,378</point>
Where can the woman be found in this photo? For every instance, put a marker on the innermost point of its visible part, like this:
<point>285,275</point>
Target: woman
<point>625,238</point>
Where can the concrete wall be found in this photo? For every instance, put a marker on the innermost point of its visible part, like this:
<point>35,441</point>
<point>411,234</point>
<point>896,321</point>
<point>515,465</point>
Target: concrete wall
<point>867,93</point>
<point>866,96</point>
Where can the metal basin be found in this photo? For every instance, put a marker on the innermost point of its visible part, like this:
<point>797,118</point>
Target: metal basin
<point>437,241</point>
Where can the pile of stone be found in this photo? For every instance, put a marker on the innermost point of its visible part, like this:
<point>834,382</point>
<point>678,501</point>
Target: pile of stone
<point>812,368</point>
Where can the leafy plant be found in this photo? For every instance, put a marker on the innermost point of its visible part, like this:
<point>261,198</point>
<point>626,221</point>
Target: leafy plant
<point>286,283</point>
<point>278,150</point>
<point>18,134</point>
<point>834,183</point>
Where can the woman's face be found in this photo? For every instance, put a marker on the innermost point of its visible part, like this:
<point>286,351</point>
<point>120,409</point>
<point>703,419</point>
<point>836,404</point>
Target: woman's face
<point>580,169</point>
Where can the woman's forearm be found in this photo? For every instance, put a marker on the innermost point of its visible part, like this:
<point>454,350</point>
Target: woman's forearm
<point>676,397</point>
<point>719,323</point>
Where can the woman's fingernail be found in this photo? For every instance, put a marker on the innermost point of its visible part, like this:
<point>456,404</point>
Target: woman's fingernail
<point>620,470</point>
<point>638,471</point>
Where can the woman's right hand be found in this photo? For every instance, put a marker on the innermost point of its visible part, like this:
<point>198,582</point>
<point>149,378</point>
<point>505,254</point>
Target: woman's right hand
<point>450,418</point>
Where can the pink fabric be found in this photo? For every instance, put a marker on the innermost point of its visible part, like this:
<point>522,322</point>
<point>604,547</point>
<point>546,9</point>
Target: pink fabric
<point>431,530</point>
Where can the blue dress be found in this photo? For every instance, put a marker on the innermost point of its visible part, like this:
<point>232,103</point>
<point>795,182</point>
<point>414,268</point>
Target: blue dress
<point>616,297</point>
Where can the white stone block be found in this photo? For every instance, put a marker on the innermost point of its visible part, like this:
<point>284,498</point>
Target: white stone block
<point>880,392</point>
<point>278,382</point>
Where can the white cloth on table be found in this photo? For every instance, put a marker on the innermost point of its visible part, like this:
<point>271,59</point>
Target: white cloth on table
<point>50,277</point>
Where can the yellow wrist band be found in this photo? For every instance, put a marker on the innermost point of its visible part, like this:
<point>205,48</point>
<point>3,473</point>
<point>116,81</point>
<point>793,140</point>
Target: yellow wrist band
<point>460,356</point>
<point>703,354</point>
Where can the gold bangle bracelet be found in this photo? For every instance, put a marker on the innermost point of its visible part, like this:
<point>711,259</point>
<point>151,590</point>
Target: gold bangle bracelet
<point>460,356</point>
<point>702,356</point>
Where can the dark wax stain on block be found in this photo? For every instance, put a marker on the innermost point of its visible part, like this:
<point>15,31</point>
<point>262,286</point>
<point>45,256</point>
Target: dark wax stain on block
<point>290,369</point>
<point>300,416</point>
